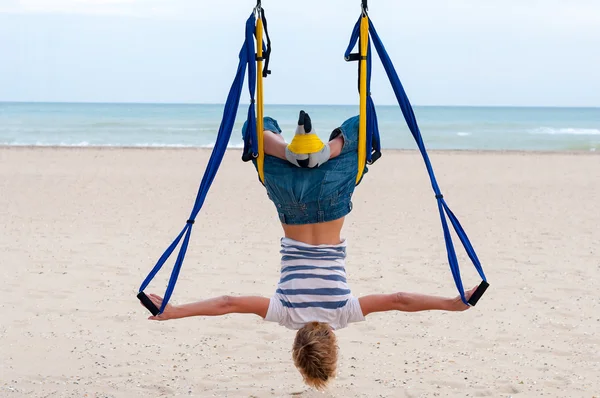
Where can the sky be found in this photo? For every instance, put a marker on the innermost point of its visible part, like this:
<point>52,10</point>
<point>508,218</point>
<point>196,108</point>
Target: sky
<point>446,52</point>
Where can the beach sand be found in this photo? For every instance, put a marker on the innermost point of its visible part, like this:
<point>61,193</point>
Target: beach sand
<point>81,228</point>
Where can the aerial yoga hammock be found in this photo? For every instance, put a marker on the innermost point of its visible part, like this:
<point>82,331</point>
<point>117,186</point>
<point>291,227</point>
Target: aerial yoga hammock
<point>369,143</point>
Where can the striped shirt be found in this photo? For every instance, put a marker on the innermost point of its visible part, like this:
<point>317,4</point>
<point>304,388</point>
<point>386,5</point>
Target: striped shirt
<point>313,287</point>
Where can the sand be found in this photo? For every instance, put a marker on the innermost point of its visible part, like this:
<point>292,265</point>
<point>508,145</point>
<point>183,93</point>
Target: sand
<point>81,228</point>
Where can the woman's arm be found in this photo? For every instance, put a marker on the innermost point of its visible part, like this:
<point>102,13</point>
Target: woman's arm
<point>411,302</point>
<point>212,307</point>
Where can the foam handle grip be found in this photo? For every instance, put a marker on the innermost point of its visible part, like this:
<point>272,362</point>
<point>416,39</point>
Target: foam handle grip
<point>478,293</point>
<point>146,302</point>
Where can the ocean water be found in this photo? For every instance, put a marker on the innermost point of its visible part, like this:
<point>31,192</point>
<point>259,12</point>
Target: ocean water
<point>174,125</point>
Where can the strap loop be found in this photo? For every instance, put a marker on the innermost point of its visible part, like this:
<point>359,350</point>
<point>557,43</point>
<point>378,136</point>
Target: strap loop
<point>267,53</point>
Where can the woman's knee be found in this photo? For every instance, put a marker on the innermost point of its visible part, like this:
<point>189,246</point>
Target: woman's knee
<point>269,124</point>
<point>348,132</point>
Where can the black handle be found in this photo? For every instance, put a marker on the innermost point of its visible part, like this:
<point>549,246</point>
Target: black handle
<point>146,302</point>
<point>478,293</point>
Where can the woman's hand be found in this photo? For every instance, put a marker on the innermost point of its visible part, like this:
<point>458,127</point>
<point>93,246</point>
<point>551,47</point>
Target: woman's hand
<point>458,305</point>
<point>170,311</point>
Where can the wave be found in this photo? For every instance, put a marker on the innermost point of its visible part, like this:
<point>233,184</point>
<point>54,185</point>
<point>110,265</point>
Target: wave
<point>463,134</point>
<point>232,146</point>
<point>565,131</point>
<point>84,144</point>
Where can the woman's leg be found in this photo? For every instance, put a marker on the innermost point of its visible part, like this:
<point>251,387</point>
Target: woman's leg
<point>336,146</point>
<point>274,144</point>
<point>348,135</point>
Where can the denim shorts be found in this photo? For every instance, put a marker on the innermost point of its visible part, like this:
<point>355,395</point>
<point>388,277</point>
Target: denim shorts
<point>310,196</point>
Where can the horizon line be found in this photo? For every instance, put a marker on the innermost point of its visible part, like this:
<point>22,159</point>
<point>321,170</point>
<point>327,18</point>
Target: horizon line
<point>290,104</point>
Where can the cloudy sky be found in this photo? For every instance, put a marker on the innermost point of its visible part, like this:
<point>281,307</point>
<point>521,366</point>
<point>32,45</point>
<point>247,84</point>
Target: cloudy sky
<point>447,52</point>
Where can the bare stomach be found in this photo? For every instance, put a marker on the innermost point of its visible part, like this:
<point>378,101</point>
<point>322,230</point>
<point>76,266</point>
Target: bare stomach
<point>327,233</point>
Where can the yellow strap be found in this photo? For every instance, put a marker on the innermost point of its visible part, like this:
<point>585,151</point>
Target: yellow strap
<point>362,121</point>
<point>260,160</point>
<point>306,143</point>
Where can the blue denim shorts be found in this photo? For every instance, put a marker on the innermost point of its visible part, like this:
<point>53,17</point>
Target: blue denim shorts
<point>310,196</point>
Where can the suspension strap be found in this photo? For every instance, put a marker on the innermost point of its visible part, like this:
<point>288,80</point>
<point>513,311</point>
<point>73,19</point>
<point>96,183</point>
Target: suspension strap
<point>445,212</point>
<point>370,148</point>
<point>247,58</point>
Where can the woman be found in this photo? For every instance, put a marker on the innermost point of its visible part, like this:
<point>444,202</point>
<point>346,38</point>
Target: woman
<point>312,195</point>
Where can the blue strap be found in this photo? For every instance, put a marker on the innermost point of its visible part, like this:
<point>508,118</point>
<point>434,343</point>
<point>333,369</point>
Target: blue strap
<point>411,121</point>
<point>246,57</point>
<point>251,138</point>
<point>353,39</point>
<point>372,125</point>
<point>370,106</point>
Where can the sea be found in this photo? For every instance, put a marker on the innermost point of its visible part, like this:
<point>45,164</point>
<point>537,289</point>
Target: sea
<point>196,125</point>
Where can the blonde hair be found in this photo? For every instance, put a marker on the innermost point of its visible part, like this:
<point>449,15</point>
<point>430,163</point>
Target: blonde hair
<point>315,353</point>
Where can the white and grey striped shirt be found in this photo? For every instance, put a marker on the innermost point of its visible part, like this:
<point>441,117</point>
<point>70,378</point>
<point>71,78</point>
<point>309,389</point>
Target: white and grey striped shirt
<point>313,287</point>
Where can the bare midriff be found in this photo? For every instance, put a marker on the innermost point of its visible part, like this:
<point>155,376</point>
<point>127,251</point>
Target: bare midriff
<point>327,233</point>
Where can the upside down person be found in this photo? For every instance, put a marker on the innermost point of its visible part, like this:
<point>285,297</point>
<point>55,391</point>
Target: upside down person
<point>312,194</point>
